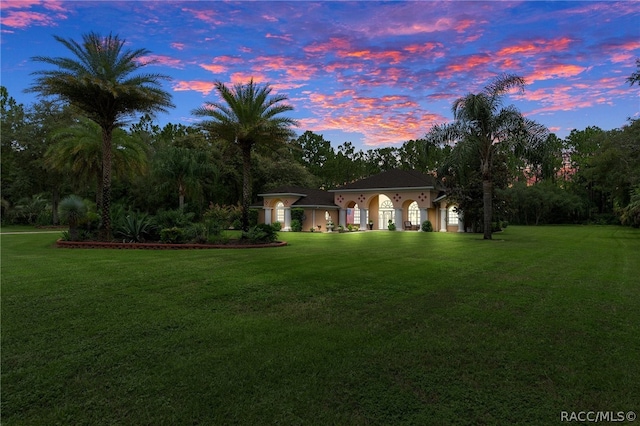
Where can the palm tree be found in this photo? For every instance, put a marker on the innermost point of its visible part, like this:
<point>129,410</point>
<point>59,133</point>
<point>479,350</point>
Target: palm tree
<point>483,125</point>
<point>183,167</point>
<point>248,116</point>
<point>78,149</point>
<point>100,82</point>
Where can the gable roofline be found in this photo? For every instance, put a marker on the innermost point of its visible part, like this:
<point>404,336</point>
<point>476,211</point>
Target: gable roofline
<point>395,179</point>
<point>282,194</point>
<point>407,188</point>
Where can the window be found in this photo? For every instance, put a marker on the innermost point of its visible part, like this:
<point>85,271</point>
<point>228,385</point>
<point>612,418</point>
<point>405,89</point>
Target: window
<point>280,212</point>
<point>453,216</point>
<point>414,213</point>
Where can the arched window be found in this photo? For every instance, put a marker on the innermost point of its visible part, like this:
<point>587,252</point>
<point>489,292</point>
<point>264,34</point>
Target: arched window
<point>452,216</point>
<point>414,213</point>
<point>280,212</point>
<point>385,212</point>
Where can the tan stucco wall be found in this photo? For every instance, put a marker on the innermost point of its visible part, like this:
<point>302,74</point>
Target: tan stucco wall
<point>319,219</point>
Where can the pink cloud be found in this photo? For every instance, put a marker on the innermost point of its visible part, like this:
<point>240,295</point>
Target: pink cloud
<point>555,71</point>
<point>389,56</point>
<point>216,69</point>
<point>425,48</point>
<point>23,19</point>
<point>389,119</point>
<point>536,47</point>
<point>178,46</point>
<point>204,87</point>
<point>334,44</point>
<point>27,19</point>
<point>207,16</point>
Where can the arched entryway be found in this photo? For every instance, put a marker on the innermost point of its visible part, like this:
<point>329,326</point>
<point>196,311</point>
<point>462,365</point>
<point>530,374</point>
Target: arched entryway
<point>386,211</point>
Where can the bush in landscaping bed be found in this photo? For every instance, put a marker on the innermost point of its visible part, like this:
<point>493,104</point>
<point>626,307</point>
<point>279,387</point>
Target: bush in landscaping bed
<point>261,233</point>
<point>173,235</point>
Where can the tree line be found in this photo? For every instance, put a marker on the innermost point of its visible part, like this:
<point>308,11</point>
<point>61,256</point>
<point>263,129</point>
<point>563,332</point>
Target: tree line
<point>496,164</point>
<point>49,151</point>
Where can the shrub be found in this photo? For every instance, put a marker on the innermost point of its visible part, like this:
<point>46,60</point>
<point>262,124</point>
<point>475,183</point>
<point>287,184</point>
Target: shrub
<point>197,233</point>
<point>173,219</point>
<point>219,218</point>
<point>134,227</point>
<point>173,235</point>
<point>261,233</point>
<point>427,226</point>
<point>391,226</point>
<point>296,225</point>
<point>28,209</point>
<point>276,226</point>
<point>298,214</point>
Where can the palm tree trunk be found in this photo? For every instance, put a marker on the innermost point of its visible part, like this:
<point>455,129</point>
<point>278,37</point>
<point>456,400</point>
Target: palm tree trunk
<point>181,193</point>
<point>107,133</point>
<point>99,191</point>
<point>246,186</point>
<point>487,206</point>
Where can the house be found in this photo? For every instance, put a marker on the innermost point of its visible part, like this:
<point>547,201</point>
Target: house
<point>406,198</point>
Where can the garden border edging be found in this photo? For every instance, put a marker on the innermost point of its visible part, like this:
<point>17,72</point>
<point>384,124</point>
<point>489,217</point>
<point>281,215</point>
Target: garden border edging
<point>161,246</point>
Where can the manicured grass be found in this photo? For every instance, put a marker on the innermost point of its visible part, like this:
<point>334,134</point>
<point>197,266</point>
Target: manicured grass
<point>346,329</point>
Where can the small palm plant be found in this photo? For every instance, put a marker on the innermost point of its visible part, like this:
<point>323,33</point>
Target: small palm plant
<point>72,210</point>
<point>135,227</point>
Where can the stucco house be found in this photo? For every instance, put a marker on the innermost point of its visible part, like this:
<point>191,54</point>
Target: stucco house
<point>407,198</point>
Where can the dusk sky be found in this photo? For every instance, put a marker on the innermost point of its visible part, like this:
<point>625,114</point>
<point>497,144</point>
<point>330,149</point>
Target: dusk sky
<point>372,73</point>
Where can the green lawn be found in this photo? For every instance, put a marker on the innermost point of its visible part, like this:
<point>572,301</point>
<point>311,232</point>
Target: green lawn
<point>335,329</point>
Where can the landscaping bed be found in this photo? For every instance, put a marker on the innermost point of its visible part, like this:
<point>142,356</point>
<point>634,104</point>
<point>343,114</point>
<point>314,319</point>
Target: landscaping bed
<point>164,246</point>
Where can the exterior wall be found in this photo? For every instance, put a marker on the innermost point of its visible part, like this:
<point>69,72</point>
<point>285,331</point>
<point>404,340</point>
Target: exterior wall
<point>313,221</point>
<point>433,216</point>
<point>374,211</point>
<point>400,200</point>
<point>261,216</point>
<point>368,200</point>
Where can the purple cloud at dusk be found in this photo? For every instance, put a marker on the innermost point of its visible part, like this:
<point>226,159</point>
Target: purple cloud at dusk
<point>372,73</point>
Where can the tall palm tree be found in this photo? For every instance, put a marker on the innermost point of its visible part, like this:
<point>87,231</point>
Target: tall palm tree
<point>101,81</point>
<point>483,125</point>
<point>247,116</point>
<point>78,149</point>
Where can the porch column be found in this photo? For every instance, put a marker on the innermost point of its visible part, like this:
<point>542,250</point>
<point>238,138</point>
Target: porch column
<point>398,220</point>
<point>287,219</point>
<point>423,216</point>
<point>460,221</point>
<point>364,219</point>
<point>342,218</point>
<point>267,215</point>
<point>443,219</point>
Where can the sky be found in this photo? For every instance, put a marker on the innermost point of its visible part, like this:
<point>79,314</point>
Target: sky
<point>373,73</point>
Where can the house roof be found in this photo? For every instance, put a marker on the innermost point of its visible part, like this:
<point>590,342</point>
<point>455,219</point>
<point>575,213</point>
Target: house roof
<point>309,197</point>
<point>393,179</point>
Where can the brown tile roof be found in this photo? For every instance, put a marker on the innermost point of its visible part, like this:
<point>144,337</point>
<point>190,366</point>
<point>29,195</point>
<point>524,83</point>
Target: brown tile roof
<point>394,179</point>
